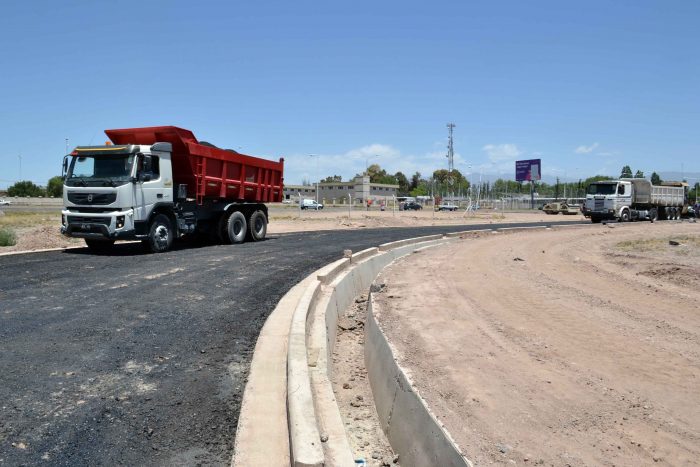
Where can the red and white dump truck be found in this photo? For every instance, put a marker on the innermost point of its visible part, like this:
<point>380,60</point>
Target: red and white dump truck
<point>157,184</point>
<point>630,199</point>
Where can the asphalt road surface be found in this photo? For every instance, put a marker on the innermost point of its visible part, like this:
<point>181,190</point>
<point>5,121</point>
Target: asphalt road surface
<point>141,359</point>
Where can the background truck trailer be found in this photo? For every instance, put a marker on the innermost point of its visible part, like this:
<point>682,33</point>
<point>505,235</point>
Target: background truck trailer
<point>631,199</point>
<point>160,183</point>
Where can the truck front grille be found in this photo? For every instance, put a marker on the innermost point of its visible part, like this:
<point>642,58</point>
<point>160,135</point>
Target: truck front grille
<point>91,198</point>
<point>599,205</point>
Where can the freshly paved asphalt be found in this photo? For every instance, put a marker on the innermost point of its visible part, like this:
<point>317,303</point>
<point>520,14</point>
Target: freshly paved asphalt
<point>141,359</point>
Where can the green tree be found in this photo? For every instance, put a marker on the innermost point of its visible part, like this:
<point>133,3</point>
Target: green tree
<point>332,179</point>
<point>54,188</point>
<point>25,188</point>
<point>403,183</point>
<point>639,174</point>
<point>415,181</point>
<point>626,172</point>
<point>655,179</point>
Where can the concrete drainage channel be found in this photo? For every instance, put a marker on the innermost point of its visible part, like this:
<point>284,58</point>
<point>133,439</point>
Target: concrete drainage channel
<point>289,414</point>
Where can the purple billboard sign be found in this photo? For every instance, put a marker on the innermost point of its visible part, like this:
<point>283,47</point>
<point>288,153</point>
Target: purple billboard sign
<point>528,170</point>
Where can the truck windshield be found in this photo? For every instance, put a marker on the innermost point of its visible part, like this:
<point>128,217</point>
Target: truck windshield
<point>108,170</point>
<point>601,188</point>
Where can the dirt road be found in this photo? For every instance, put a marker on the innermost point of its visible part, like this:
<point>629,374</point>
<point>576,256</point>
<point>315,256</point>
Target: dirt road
<point>571,347</point>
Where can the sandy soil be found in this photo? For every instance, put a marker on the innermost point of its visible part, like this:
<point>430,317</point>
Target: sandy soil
<point>563,347</point>
<point>42,230</point>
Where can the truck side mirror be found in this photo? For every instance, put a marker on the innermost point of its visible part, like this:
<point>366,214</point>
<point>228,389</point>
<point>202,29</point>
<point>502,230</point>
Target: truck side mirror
<point>65,167</point>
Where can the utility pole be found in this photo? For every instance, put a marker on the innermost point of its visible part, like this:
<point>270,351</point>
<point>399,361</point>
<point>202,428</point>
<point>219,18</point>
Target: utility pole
<point>317,180</point>
<point>19,156</point>
<point>450,156</point>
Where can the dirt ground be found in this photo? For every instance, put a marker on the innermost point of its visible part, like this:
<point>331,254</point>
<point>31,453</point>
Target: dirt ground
<point>561,347</point>
<point>38,229</point>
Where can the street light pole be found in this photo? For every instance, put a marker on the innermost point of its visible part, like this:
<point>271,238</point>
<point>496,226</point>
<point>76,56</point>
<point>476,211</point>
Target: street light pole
<point>19,156</point>
<point>317,180</point>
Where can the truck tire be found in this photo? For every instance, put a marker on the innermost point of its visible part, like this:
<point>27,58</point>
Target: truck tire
<point>624,215</point>
<point>236,227</point>
<point>160,235</point>
<point>653,215</point>
<point>257,226</point>
<point>222,230</point>
<point>667,213</point>
<point>99,246</point>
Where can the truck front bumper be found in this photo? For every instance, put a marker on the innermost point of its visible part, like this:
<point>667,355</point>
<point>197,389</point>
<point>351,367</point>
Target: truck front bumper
<point>115,225</point>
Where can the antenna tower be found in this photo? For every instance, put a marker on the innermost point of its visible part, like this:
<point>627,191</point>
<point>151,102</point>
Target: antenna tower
<point>450,155</point>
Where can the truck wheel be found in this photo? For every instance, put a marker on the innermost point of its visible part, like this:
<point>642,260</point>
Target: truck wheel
<point>160,235</point>
<point>625,216</point>
<point>99,246</point>
<point>667,213</point>
<point>236,227</point>
<point>258,226</point>
<point>677,213</point>
<point>653,215</point>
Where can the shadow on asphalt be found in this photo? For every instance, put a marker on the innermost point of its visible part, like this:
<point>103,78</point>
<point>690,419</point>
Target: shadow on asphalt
<point>137,249</point>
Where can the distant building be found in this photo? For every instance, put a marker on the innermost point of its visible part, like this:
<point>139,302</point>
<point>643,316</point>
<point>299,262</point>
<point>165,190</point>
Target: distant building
<point>360,190</point>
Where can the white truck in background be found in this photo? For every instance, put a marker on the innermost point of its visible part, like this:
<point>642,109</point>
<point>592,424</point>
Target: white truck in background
<point>630,199</point>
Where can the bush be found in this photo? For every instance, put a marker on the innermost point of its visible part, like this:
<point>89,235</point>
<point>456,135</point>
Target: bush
<point>7,237</point>
<point>54,188</point>
<point>25,188</point>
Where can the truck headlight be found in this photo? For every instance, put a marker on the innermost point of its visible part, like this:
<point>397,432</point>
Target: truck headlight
<point>120,222</point>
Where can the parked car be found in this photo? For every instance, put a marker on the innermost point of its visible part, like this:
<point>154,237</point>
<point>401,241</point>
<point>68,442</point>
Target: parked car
<point>412,206</point>
<point>447,207</point>
<point>5,202</point>
<point>311,204</point>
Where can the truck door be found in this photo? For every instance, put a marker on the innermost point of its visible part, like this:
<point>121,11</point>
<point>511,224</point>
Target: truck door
<point>149,186</point>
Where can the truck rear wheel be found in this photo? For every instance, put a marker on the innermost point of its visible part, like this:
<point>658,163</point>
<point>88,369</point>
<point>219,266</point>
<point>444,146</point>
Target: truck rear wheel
<point>677,212</point>
<point>99,246</point>
<point>258,226</point>
<point>236,227</point>
<point>160,235</point>
<point>654,215</point>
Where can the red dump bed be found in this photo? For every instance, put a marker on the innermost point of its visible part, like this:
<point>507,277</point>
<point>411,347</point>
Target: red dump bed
<point>211,172</point>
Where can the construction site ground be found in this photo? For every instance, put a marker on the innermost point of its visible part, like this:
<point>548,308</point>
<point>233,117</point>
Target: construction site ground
<point>557,347</point>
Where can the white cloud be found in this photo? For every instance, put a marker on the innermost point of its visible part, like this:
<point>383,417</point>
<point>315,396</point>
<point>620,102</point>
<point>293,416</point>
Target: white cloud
<point>371,150</point>
<point>502,152</point>
<point>586,149</point>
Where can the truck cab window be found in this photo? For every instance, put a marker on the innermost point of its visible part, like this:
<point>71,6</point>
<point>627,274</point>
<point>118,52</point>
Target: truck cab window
<point>150,166</point>
<point>621,189</point>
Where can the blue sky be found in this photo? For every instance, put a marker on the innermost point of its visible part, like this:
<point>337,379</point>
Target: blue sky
<point>586,86</point>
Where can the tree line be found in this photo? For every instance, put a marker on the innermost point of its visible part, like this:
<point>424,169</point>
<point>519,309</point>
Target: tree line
<point>53,189</point>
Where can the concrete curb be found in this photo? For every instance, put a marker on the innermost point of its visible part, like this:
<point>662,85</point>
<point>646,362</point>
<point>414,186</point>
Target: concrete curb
<point>411,427</point>
<point>262,436</point>
<point>408,241</point>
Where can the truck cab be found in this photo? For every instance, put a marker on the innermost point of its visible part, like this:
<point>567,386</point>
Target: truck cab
<point>111,191</point>
<point>606,199</point>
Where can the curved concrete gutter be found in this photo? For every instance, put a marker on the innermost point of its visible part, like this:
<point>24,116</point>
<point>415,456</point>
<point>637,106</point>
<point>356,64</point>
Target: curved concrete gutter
<point>289,415</point>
